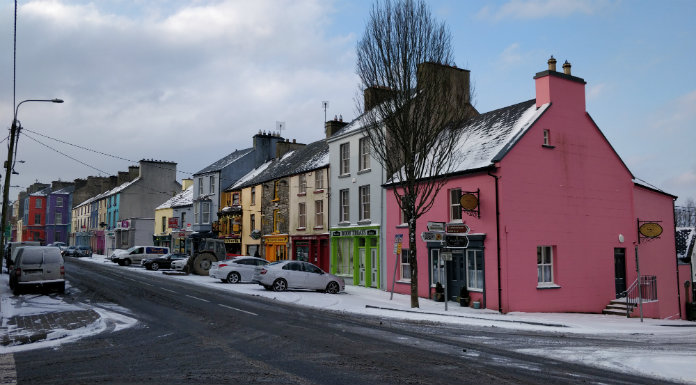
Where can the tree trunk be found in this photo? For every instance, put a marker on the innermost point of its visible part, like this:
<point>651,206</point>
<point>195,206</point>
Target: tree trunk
<point>413,261</point>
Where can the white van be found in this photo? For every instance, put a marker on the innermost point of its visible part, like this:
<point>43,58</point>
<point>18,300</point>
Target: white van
<point>37,266</point>
<point>11,251</point>
<point>137,253</point>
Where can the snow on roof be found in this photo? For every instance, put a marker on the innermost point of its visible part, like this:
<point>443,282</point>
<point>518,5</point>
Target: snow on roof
<point>250,175</point>
<point>113,191</point>
<point>65,190</point>
<point>686,240</point>
<point>310,157</point>
<point>41,193</point>
<point>226,161</point>
<point>183,198</point>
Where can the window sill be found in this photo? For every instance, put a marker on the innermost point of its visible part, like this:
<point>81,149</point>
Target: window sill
<point>402,226</point>
<point>344,175</point>
<point>302,194</point>
<point>548,286</point>
<point>301,229</point>
<point>364,171</point>
<point>548,146</point>
<point>319,191</point>
<point>474,290</point>
<point>344,223</point>
<point>403,281</point>
<point>365,222</point>
<point>318,227</point>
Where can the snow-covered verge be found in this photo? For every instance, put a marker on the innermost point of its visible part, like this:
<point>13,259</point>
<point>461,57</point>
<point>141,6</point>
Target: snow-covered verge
<point>35,304</point>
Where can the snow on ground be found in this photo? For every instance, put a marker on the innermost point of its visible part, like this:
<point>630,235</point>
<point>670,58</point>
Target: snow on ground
<point>655,359</point>
<point>35,304</point>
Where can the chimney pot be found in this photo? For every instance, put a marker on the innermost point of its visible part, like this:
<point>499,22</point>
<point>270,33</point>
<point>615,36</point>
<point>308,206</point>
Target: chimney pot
<point>566,68</point>
<point>552,64</point>
<point>294,140</point>
<point>340,118</point>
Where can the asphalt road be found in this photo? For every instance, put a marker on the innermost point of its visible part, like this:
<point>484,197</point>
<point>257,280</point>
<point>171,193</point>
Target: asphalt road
<point>193,335</point>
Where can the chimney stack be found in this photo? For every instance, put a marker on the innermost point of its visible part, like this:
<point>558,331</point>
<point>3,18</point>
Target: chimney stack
<point>566,68</point>
<point>333,126</point>
<point>552,64</point>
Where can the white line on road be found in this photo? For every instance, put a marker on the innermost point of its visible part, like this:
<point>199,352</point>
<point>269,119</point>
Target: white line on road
<point>200,299</point>
<point>234,308</point>
<point>171,291</point>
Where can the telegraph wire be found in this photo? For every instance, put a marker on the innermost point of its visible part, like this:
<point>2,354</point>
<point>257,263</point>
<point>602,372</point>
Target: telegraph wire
<point>66,155</point>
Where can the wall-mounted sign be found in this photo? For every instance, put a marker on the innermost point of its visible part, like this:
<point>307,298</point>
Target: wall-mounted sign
<point>256,234</point>
<point>436,226</point>
<point>233,240</point>
<point>458,228</point>
<point>352,233</point>
<point>468,201</point>
<point>456,241</point>
<point>173,223</point>
<point>650,229</point>
<point>276,239</point>
<point>432,236</point>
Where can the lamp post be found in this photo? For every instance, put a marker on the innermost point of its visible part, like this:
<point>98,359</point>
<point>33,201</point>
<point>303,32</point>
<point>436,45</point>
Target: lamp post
<point>8,169</point>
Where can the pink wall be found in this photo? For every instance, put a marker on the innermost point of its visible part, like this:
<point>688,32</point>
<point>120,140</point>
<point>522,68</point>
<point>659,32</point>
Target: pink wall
<point>659,256</point>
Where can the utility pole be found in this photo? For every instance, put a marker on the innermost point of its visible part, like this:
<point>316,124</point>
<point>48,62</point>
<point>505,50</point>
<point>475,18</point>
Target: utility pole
<point>14,134</point>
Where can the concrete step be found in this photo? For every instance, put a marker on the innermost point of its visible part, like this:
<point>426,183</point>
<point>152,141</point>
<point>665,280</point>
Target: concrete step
<point>614,312</point>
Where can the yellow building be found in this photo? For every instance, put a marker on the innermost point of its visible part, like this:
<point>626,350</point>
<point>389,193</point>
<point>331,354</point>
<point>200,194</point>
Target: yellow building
<point>165,220</point>
<point>251,219</point>
<point>309,217</point>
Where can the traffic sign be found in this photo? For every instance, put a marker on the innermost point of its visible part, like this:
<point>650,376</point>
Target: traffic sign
<point>432,236</point>
<point>456,241</point>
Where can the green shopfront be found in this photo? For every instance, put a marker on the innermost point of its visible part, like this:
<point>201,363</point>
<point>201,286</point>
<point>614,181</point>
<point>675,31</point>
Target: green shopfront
<point>355,255</point>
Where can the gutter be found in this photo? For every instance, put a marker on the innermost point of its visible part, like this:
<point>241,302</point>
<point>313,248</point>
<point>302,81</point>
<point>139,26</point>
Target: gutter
<point>497,240</point>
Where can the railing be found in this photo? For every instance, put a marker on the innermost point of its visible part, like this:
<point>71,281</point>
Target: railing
<point>641,290</point>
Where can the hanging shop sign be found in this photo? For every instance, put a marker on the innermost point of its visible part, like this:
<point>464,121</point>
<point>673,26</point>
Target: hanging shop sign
<point>173,223</point>
<point>469,203</point>
<point>456,241</point>
<point>436,226</point>
<point>256,234</point>
<point>649,230</point>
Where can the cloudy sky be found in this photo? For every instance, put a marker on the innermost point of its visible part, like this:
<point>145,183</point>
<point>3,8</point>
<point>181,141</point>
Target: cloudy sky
<point>191,81</point>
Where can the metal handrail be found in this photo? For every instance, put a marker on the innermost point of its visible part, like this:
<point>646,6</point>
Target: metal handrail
<point>643,289</point>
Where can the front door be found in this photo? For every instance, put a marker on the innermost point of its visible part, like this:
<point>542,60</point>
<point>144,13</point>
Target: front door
<point>361,253</point>
<point>456,274</point>
<point>620,271</point>
<point>373,268</point>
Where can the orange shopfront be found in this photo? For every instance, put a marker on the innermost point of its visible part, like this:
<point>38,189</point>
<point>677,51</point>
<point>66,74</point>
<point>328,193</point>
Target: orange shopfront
<point>276,247</point>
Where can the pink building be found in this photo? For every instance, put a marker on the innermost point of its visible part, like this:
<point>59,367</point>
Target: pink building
<point>553,214</point>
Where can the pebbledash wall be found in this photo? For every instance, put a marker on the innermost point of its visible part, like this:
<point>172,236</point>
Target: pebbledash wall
<point>557,185</point>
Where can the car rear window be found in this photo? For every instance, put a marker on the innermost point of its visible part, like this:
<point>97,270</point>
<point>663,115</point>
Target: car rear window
<point>52,258</point>
<point>32,257</point>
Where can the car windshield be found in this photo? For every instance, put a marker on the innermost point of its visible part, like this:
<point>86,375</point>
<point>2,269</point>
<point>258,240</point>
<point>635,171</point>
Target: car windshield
<point>131,249</point>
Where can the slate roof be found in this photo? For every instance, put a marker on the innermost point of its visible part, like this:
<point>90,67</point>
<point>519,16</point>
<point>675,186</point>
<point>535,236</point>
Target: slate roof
<point>224,162</point>
<point>65,190</point>
<point>310,157</point>
<point>184,198</point>
<point>686,241</point>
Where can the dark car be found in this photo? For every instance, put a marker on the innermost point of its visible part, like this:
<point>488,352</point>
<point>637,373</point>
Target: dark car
<point>163,262</point>
<point>69,251</point>
<point>82,251</point>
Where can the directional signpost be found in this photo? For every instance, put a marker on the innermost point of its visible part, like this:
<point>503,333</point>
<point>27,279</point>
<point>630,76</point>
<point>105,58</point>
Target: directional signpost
<point>398,241</point>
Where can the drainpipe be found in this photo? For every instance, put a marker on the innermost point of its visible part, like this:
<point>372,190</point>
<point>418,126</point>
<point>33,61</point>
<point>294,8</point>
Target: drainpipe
<point>497,240</point>
<point>674,218</point>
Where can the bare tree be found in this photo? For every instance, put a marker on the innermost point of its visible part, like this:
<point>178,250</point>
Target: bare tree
<point>686,215</point>
<point>413,101</point>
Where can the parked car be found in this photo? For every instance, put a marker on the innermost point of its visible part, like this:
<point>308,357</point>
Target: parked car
<point>38,266</point>
<point>239,269</point>
<point>136,254</point>
<point>10,248</point>
<point>163,262</point>
<point>69,251</point>
<point>82,251</point>
<point>180,264</point>
<point>59,245</point>
<point>283,275</point>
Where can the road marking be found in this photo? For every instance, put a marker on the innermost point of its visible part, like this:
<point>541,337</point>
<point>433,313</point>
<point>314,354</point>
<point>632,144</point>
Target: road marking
<point>8,371</point>
<point>234,308</point>
<point>200,299</point>
<point>145,283</point>
<point>171,291</point>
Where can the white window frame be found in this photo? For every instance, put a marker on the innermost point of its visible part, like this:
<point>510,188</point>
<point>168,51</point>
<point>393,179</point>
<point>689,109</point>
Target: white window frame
<point>404,267</point>
<point>205,212</point>
<point>319,180</point>
<point>212,184</point>
<point>196,214</point>
<point>344,206</point>
<point>474,277</point>
<point>437,268</point>
<point>59,218</point>
<point>59,201</point>
<point>200,186</point>
<point>302,183</point>
<point>547,137</point>
<point>455,206</point>
<point>319,213</point>
<point>364,204</point>
<point>364,154</point>
<point>344,155</point>
<point>545,266</point>
<point>302,215</point>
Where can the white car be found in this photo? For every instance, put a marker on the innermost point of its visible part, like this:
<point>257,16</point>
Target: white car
<point>239,269</point>
<point>283,275</point>
<point>179,264</point>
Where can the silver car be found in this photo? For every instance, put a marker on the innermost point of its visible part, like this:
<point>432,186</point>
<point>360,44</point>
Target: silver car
<point>240,269</point>
<point>38,266</point>
<point>283,275</point>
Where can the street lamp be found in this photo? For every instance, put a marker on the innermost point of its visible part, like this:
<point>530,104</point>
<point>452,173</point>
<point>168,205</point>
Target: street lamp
<point>9,170</point>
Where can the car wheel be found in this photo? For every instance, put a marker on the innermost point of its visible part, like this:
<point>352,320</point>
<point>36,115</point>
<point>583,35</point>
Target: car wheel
<point>126,262</point>
<point>233,277</point>
<point>121,263</point>
<point>154,266</point>
<point>61,288</point>
<point>17,290</point>
<point>280,285</point>
<point>333,288</point>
